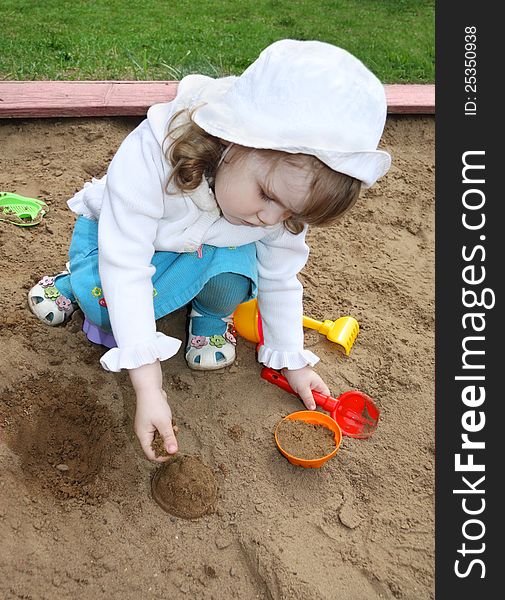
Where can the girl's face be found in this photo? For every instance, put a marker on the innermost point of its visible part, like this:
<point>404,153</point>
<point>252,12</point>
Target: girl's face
<point>247,196</point>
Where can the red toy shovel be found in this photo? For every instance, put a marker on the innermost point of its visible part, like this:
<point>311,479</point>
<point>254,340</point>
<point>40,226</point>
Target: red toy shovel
<point>355,412</point>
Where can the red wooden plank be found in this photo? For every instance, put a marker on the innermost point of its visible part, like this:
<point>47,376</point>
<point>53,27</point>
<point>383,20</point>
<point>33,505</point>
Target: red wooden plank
<point>410,98</point>
<point>33,99</point>
<point>82,98</point>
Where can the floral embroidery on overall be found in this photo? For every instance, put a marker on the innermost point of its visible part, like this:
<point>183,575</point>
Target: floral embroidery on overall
<point>97,293</point>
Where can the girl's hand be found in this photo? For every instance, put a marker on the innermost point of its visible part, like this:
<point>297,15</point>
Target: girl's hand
<point>153,413</point>
<point>303,381</point>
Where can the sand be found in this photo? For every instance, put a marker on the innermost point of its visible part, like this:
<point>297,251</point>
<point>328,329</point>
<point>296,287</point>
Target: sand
<point>77,519</point>
<point>185,487</point>
<point>305,440</point>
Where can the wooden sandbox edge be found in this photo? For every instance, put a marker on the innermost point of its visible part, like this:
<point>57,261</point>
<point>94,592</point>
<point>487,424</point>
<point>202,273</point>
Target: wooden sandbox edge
<point>38,99</point>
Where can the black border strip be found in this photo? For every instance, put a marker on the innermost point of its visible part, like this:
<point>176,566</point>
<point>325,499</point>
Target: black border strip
<point>469,127</point>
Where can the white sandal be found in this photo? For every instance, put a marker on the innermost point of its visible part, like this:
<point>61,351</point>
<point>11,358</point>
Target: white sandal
<point>47,304</point>
<point>208,353</point>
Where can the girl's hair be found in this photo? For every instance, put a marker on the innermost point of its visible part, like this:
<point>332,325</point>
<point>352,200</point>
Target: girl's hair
<point>194,153</point>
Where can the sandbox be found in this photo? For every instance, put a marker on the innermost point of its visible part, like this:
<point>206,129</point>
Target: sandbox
<point>361,527</point>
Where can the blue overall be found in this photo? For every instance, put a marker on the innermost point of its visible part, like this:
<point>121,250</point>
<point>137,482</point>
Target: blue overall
<point>218,278</point>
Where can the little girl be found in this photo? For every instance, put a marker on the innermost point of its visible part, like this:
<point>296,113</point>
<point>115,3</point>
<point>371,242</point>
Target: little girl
<point>208,202</point>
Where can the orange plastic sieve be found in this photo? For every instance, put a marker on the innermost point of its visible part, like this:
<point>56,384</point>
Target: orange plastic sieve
<point>316,418</point>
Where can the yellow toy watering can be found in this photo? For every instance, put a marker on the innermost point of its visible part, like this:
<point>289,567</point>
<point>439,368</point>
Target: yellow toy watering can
<point>343,331</point>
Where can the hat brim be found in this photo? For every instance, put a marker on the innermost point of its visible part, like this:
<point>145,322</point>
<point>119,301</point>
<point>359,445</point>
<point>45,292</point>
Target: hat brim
<point>214,117</point>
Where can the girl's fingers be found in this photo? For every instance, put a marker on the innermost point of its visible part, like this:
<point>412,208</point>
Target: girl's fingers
<point>169,439</point>
<point>307,398</point>
<point>320,386</point>
<point>145,439</point>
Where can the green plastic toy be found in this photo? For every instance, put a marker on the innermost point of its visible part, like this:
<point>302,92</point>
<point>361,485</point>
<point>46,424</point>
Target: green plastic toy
<point>20,210</point>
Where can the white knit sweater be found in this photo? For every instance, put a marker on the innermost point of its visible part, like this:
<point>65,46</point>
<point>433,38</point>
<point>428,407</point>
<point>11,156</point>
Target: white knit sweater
<point>136,218</point>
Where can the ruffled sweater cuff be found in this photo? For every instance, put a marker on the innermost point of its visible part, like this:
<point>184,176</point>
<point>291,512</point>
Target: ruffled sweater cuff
<point>280,359</point>
<point>131,357</point>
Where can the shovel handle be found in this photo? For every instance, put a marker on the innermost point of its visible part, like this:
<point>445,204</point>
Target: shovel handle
<point>325,402</point>
<point>311,323</point>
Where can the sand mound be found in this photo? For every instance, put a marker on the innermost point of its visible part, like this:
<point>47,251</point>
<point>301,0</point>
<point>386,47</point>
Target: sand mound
<point>185,487</point>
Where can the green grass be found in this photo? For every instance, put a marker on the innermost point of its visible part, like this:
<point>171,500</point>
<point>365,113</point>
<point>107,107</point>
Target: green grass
<point>167,39</point>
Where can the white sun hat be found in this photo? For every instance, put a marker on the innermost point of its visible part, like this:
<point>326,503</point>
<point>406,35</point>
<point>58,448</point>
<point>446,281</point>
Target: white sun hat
<point>306,97</point>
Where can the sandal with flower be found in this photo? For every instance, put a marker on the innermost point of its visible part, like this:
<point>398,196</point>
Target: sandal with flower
<point>207,353</point>
<point>46,302</point>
